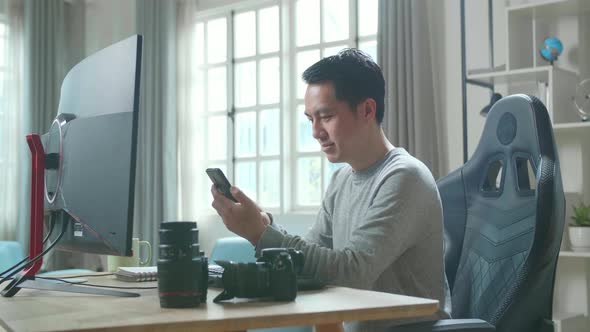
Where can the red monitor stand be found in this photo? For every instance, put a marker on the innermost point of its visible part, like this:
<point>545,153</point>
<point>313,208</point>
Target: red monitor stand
<point>26,279</point>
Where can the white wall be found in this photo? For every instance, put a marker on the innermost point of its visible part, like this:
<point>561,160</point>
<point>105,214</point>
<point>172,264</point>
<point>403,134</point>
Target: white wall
<point>209,4</point>
<point>451,76</point>
<point>107,22</point>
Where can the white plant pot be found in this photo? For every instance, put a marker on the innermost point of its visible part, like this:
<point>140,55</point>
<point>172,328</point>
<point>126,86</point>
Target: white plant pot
<point>579,238</point>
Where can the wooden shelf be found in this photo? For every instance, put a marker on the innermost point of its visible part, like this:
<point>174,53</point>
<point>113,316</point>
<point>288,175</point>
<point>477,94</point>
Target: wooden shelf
<point>532,74</point>
<point>575,254</point>
<point>516,75</point>
<point>566,322</point>
<point>550,8</point>
<point>574,128</point>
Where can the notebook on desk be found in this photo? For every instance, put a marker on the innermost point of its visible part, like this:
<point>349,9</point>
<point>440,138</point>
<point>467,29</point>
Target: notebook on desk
<point>137,273</point>
<point>150,273</point>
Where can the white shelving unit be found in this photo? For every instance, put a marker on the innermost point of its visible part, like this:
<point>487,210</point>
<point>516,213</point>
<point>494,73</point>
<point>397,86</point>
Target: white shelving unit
<point>545,82</point>
<point>522,70</point>
<point>572,291</point>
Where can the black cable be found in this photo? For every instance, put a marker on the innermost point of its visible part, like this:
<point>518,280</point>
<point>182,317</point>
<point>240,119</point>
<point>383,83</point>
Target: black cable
<point>62,280</point>
<point>83,283</point>
<point>92,285</point>
<point>86,275</point>
<point>63,231</point>
<point>51,225</point>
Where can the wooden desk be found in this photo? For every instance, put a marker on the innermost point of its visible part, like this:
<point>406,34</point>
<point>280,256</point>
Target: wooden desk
<point>36,310</point>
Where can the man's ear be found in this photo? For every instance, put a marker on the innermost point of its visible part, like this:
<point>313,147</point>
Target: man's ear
<point>368,109</point>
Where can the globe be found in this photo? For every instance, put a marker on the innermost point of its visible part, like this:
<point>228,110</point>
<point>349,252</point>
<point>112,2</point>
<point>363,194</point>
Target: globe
<point>552,48</point>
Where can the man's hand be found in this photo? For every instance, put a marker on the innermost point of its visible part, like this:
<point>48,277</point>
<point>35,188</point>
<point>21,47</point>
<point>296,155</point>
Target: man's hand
<point>244,218</point>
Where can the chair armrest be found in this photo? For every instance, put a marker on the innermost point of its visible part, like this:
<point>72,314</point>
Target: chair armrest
<point>446,325</point>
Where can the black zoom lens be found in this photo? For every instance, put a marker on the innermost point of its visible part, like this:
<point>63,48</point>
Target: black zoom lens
<point>182,270</point>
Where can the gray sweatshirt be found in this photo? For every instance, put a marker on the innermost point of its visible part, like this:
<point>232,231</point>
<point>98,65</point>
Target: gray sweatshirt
<point>378,229</point>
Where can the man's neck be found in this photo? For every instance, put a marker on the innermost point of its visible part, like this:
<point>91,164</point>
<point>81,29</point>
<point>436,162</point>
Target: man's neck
<point>377,147</point>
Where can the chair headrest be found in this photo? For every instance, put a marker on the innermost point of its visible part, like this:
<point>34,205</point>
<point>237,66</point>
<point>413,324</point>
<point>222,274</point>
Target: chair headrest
<point>517,133</point>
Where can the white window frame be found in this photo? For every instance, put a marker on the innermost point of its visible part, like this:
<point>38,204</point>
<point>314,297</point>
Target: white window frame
<point>6,73</point>
<point>288,96</point>
<point>258,108</point>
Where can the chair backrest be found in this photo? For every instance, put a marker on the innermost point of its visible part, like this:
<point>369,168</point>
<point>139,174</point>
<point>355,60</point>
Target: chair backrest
<point>503,217</point>
<point>235,249</point>
<point>11,252</point>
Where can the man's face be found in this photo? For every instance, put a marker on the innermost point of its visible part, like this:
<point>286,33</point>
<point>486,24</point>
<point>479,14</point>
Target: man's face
<point>336,126</point>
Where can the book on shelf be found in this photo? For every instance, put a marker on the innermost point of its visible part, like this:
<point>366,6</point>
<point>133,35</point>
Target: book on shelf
<point>137,273</point>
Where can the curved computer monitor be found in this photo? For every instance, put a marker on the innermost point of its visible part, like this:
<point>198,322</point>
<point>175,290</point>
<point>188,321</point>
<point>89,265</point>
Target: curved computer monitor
<point>91,151</point>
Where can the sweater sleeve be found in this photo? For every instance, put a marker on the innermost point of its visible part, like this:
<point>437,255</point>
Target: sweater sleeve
<point>394,222</point>
<point>320,232</point>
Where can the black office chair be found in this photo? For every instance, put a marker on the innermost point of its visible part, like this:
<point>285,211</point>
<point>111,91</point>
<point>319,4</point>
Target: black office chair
<point>503,218</point>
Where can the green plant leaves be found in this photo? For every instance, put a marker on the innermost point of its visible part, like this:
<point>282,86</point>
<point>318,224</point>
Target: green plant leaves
<point>581,215</point>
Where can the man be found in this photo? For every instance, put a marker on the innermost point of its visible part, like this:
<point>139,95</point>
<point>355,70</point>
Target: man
<point>380,223</point>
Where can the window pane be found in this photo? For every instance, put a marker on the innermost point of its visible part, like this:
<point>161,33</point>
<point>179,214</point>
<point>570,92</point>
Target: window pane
<point>329,51</point>
<point>197,96</point>
<point>245,84</point>
<point>270,138</point>
<point>329,169</point>
<point>245,134</point>
<point>3,51</point>
<point>335,20</point>
<point>199,44</point>
<point>308,181</point>
<point>367,20</point>
<point>304,60</point>
<point>216,40</point>
<point>305,140</point>
<point>3,30</point>
<point>216,89</point>
<point>270,81</point>
<point>270,184</point>
<point>268,20</point>
<point>195,130</point>
<point>217,137</point>
<point>369,47</point>
<point>245,34</point>
<point>246,178</point>
<point>307,22</point>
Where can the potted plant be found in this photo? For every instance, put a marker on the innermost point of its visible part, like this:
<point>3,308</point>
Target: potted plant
<point>579,228</point>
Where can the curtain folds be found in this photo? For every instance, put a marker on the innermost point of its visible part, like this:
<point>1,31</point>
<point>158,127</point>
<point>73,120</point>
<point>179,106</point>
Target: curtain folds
<point>36,62</point>
<point>413,107</point>
<point>190,167</point>
<point>13,148</point>
<point>156,175</point>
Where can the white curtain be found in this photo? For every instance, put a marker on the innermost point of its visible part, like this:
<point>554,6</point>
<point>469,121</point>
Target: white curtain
<point>191,169</point>
<point>156,174</point>
<point>407,48</point>
<point>13,148</point>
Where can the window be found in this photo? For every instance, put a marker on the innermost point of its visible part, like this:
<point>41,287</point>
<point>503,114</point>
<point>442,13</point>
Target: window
<point>337,22</point>
<point>3,74</point>
<point>248,103</point>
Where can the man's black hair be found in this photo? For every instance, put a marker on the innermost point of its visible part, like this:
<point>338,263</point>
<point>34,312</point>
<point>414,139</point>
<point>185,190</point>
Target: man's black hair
<point>355,76</point>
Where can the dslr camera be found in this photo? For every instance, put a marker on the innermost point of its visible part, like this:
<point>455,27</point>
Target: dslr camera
<point>274,275</point>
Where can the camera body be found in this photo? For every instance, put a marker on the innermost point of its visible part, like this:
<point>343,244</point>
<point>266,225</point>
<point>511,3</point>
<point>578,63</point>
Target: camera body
<point>274,275</point>
<point>182,268</point>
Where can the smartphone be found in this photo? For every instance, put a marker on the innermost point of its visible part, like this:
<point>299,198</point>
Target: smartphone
<point>221,182</point>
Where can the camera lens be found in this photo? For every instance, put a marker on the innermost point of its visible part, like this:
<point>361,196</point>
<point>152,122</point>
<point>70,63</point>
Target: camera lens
<point>182,270</point>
